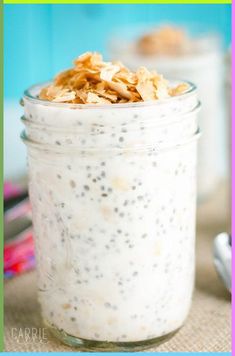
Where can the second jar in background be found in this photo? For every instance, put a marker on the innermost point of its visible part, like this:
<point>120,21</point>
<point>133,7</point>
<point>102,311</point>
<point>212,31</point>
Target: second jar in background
<point>200,61</point>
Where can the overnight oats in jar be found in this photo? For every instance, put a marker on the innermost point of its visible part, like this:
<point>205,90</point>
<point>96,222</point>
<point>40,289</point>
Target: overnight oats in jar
<point>112,182</point>
<point>187,53</point>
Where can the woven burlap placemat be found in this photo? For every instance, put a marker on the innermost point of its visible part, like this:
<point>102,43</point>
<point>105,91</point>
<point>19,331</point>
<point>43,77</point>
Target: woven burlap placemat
<point>208,327</point>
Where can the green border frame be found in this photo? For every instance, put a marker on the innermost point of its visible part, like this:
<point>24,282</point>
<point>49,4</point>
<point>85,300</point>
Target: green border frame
<point>118,2</point>
<point>2,99</point>
<point>1,175</point>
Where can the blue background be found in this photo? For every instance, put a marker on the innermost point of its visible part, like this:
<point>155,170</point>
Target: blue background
<point>41,40</point>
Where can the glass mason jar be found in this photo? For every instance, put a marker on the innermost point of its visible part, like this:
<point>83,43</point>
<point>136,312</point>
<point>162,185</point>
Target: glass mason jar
<point>205,68</point>
<point>113,192</point>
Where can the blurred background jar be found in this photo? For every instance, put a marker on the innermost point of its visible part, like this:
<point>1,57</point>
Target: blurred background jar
<point>184,52</point>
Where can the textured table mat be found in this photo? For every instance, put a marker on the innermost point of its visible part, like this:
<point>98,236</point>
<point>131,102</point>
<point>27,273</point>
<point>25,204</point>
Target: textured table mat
<point>208,327</point>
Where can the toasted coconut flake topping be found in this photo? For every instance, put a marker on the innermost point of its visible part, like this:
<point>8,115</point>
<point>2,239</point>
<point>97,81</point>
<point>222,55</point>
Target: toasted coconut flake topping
<point>93,81</point>
<point>166,40</point>
<point>179,89</point>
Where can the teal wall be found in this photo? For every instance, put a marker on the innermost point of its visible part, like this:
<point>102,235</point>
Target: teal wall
<point>40,40</point>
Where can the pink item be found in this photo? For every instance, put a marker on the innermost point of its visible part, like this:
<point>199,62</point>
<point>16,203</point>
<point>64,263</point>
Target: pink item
<point>19,254</point>
<point>11,190</point>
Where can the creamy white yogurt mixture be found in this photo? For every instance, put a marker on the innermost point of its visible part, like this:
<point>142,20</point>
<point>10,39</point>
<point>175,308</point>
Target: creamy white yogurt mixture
<point>204,67</point>
<point>113,196</point>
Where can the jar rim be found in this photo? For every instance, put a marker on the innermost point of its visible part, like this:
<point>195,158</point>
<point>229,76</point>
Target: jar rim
<point>62,150</point>
<point>28,95</point>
